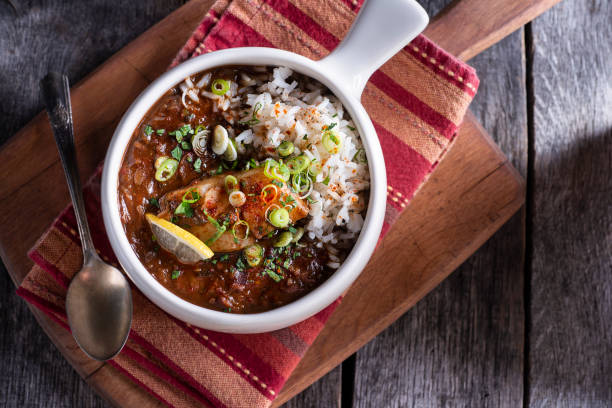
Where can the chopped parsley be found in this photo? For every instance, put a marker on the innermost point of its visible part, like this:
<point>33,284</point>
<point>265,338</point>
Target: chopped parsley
<point>334,115</point>
<point>277,183</point>
<point>197,165</point>
<point>350,127</point>
<point>160,131</point>
<point>176,274</point>
<point>148,130</point>
<point>177,153</point>
<point>292,230</point>
<point>287,263</point>
<point>273,275</point>
<point>185,145</point>
<point>184,209</point>
<point>153,201</point>
<point>311,200</point>
<point>219,170</point>
<point>331,126</point>
<point>224,258</point>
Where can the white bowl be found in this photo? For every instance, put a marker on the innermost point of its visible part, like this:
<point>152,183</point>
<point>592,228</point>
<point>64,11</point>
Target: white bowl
<point>345,73</point>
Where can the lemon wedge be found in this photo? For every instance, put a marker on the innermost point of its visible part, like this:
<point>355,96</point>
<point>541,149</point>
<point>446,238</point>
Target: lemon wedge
<point>185,246</point>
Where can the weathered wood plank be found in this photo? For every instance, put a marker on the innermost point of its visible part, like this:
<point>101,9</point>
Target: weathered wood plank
<point>462,345</point>
<point>324,393</point>
<point>570,344</point>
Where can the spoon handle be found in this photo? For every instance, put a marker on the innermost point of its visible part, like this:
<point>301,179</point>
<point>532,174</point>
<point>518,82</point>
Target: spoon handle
<point>56,95</point>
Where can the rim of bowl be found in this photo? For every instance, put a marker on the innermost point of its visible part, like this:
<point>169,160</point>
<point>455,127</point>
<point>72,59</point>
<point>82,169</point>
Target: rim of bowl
<point>295,311</point>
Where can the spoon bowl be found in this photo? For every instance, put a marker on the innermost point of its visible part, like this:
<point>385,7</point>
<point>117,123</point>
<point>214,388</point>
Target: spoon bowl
<point>96,303</point>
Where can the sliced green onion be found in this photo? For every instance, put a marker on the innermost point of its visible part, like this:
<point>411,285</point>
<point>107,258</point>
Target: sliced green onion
<point>148,130</point>
<point>283,239</point>
<point>195,196</point>
<point>298,164</point>
<point>166,170</point>
<point>326,180</point>
<point>231,153</point>
<point>231,183</point>
<point>285,148</point>
<point>315,168</point>
<point>215,237</point>
<point>299,232</point>
<point>237,198</point>
<point>279,218</point>
<point>300,183</point>
<point>360,156</point>
<point>331,142</point>
<point>160,160</point>
<point>237,225</point>
<point>220,140</point>
<point>253,254</point>
<point>268,166</point>
<point>220,87</point>
<point>281,172</point>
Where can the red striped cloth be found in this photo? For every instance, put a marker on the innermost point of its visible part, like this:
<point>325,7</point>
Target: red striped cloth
<point>416,101</point>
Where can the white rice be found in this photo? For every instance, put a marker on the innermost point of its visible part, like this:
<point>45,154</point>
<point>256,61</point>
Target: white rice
<point>300,113</point>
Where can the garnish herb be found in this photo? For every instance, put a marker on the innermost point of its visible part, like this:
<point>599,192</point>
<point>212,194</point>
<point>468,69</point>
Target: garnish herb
<point>176,274</point>
<point>326,181</point>
<point>350,127</point>
<point>177,153</point>
<point>184,209</point>
<point>153,201</point>
<point>220,87</point>
<point>197,165</point>
<point>224,258</point>
<point>160,131</point>
<point>166,169</point>
<point>148,130</point>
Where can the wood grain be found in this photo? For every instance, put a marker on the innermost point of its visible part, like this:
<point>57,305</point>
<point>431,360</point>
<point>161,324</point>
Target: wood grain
<point>570,344</point>
<point>438,249</point>
<point>462,345</point>
<point>482,23</point>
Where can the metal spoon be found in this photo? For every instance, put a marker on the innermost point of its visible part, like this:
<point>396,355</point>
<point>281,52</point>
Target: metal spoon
<point>99,299</point>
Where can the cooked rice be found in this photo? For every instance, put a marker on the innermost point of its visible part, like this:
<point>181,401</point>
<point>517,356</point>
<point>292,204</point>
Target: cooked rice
<point>300,113</point>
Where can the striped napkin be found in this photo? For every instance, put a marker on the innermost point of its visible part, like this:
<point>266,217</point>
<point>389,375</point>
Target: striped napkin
<point>416,101</point>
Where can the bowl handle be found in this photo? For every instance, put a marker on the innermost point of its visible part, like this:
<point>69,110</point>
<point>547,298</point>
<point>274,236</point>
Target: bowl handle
<point>380,30</point>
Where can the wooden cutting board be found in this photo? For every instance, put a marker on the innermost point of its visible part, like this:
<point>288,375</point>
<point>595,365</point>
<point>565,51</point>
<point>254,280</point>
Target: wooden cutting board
<point>468,197</point>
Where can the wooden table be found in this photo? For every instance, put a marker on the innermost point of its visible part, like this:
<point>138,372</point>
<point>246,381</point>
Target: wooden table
<point>526,320</point>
